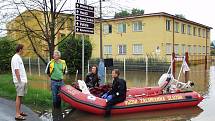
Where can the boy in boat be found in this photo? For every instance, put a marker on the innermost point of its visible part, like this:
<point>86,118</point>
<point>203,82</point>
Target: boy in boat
<point>117,93</point>
<point>92,79</point>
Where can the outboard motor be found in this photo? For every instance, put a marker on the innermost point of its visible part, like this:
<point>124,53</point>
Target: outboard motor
<point>164,80</point>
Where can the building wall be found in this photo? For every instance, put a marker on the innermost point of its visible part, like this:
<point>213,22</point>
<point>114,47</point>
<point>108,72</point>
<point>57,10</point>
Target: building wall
<point>153,35</point>
<point>17,27</point>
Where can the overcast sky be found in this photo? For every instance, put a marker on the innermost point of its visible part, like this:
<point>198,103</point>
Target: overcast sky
<point>201,11</point>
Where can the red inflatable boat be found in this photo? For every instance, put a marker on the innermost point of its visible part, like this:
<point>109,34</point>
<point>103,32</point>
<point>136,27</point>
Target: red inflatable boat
<point>138,99</point>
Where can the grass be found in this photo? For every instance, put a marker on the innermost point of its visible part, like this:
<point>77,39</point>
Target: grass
<point>36,98</point>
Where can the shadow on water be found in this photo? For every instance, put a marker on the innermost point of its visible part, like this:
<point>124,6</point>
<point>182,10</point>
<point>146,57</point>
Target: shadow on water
<point>204,84</point>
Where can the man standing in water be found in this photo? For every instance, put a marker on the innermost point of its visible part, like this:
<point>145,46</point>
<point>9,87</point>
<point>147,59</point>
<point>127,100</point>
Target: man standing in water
<point>55,69</point>
<point>19,79</point>
<point>117,93</point>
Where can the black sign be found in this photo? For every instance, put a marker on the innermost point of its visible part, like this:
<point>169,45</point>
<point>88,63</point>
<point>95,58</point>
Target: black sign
<point>85,25</point>
<point>84,30</point>
<point>84,19</point>
<point>84,7</point>
<point>84,13</point>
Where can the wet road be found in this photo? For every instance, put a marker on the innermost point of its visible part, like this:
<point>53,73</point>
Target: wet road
<point>7,111</point>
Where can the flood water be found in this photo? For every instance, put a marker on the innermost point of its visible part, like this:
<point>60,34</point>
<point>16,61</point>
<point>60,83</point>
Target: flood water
<point>204,84</point>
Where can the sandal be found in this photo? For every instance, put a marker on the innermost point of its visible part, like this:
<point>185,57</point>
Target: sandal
<point>20,118</point>
<point>23,114</point>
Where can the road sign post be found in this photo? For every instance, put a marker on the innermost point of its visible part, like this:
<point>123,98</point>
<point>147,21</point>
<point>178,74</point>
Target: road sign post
<point>84,23</point>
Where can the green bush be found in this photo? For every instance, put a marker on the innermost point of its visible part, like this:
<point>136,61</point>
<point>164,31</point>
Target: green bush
<point>71,51</point>
<point>7,50</point>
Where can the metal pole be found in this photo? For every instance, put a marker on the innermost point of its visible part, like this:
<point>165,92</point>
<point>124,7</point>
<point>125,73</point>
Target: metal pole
<point>29,65</point>
<point>173,36</point>
<point>187,72</point>
<point>146,70</point>
<point>101,51</point>
<point>38,63</point>
<point>124,69</point>
<point>82,56</point>
<point>206,49</point>
<point>105,75</point>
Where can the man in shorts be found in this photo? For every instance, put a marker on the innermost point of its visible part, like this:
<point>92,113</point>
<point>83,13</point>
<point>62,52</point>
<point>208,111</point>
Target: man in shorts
<point>19,79</point>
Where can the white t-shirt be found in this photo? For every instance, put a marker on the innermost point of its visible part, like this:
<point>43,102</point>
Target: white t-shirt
<point>17,63</point>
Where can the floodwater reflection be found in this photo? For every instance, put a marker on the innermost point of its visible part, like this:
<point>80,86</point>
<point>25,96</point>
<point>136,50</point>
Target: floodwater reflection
<point>204,84</point>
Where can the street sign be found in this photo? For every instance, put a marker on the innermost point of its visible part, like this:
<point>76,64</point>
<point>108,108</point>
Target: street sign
<point>84,19</point>
<point>84,30</point>
<point>84,13</point>
<point>84,7</point>
<point>84,25</point>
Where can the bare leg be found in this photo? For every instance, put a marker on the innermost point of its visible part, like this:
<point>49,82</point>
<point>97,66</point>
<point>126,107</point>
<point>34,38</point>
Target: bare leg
<point>18,105</point>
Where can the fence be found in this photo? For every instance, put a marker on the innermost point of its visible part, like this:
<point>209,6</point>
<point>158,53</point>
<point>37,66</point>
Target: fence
<point>147,64</point>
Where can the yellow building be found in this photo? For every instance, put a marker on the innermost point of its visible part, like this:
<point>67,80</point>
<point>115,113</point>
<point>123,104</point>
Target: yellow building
<point>151,34</point>
<point>17,30</point>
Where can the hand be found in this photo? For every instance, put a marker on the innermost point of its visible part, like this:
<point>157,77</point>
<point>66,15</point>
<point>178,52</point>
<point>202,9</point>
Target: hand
<point>109,97</point>
<point>104,96</point>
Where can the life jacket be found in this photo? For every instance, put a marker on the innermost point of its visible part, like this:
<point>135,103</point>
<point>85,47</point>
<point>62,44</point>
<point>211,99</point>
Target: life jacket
<point>51,65</point>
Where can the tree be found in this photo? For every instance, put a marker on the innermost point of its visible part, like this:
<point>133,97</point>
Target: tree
<point>137,12</point>
<point>7,50</point>
<point>134,12</point>
<point>122,14</point>
<point>71,51</point>
<point>180,16</point>
<point>47,22</point>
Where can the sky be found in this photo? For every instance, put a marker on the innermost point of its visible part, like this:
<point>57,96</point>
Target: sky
<point>201,11</point>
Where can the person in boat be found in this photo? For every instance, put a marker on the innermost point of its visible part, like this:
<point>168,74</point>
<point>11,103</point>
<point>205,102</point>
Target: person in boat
<point>56,69</point>
<point>92,78</point>
<point>117,93</point>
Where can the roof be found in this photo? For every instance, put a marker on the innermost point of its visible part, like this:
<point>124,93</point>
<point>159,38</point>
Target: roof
<point>157,14</point>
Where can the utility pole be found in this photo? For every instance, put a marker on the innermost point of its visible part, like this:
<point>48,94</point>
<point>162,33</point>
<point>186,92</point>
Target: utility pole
<point>101,50</point>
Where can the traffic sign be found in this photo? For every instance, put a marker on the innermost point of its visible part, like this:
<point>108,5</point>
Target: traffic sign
<point>84,30</point>
<point>85,25</point>
<point>84,7</point>
<point>84,13</point>
<point>84,18</point>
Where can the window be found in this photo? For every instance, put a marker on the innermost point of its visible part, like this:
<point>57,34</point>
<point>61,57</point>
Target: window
<point>208,34</point>
<point>168,25</point>
<point>194,49</point>
<point>183,27</point>
<point>203,50</point>
<point>168,48</point>
<point>176,27</point>
<point>122,49</point>
<point>200,50</point>
<point>194,31</point>
<point>183,48</point>
<point>176,49</point>
<point>203,33</point>
<point>189,29</point>
<point>137,26</point>
<point>107,49</point>
<point>137,49</point>
<point>199,32</point>
<point>122,28</point>
<point>189,49</point>
<point>107,29</point>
